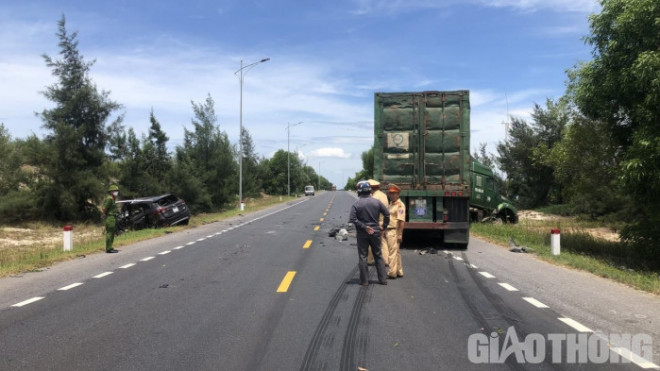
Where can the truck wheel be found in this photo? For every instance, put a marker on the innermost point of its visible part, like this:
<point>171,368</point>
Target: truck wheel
<point>506,216</point>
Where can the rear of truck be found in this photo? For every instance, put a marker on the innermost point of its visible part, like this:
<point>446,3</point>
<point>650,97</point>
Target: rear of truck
<point>422,144</point>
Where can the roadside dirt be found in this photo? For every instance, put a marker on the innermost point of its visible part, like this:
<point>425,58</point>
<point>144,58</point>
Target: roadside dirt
<point>601,232</point>
<point>25,238</point>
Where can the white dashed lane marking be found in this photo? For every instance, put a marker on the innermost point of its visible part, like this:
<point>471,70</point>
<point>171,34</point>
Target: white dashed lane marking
<point>104,274</point>
<point>575,324</point>
<point>507,286</point>
<point>486,274</point>
<point>164,252</point>
<point>639,361</point>
<point>535,302</point>
<point>29,301</point>
<point>70,286</point>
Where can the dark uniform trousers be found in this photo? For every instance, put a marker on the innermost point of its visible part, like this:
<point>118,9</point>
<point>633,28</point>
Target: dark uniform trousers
<point>364,240</point>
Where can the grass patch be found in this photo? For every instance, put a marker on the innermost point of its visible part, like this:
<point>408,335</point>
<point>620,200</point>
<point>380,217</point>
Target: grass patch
<point>579,249</point>
<point>32,247</point>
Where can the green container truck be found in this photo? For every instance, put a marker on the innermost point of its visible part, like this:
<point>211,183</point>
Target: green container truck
<point>422,144</point>
<point>487,204</point>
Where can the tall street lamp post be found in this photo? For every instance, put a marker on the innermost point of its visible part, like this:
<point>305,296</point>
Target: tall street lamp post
<point>240,74</point>
<point>288,160</point>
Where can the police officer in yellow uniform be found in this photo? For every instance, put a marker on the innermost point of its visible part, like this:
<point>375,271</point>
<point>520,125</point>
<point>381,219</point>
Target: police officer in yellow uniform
<point>110,213</point>
<point>394,232</point>
<point>382,197</point>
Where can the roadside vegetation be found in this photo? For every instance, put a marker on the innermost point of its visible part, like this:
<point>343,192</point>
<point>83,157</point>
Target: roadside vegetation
<point>31,247</point>
<point>585,245</point>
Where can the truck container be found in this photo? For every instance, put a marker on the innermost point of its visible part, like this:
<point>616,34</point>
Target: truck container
<point>422,144</point>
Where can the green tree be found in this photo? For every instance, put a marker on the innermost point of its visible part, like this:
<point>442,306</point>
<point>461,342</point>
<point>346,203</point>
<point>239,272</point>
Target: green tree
<point>157,160</point>
<point>277,166</point>
<point>530,179</point>
<point>252,183</point>
<point>620,88</point>
<point>207,156</point>
<point>367,171</point>
<point>75,174</point>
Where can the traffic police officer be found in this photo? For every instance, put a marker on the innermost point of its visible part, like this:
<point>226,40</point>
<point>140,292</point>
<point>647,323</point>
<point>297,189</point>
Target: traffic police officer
<point>394,233</point>
<point>382,197</point>
<point>364,215</point>
<point>110,212</point>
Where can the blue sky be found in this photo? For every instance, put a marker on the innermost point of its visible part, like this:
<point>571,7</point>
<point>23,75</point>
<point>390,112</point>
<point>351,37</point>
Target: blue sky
<point>327,59</point>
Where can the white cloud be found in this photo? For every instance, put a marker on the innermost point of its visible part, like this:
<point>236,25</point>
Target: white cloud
<point>329,152</point>
<point>581,6</point>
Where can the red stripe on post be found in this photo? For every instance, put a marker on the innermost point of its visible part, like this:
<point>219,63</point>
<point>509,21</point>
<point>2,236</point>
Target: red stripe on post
<point>554,231</point>
<point>68,228</point>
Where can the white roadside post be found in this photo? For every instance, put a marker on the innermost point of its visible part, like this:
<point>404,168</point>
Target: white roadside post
<point>554,241</point>
<point>68,237</point>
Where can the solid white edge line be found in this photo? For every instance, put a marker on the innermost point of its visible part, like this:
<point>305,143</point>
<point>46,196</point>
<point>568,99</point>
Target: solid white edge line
<point>486,274</point>
<point>634,358</point>
<point>103,274</point>
<point>70,286</point>
<point>535,302</point>
<point>127,265</point>
<point>147,259</point>
<point>507,286</point>
<point>575,324</point>
<point>29,301</point>
<point>164,252</point>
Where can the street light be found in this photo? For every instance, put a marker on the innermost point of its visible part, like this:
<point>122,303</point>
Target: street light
<point>240,133</point>
<point>288,155</point>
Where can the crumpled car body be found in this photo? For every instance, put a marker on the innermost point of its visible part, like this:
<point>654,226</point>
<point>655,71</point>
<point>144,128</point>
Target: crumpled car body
<point>153,212</point>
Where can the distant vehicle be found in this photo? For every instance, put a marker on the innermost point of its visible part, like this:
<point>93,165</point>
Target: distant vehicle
<point>334,187</point>
<point>153,212</point>
<point>487,204</point>
<point>422,144</point>
<point>309,190</point>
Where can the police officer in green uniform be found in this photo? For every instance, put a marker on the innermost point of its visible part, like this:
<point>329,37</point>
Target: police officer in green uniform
<point>110,212</point>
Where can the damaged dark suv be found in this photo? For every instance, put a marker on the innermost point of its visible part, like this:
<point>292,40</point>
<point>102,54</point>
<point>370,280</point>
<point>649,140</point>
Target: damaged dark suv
<point>153,212</point>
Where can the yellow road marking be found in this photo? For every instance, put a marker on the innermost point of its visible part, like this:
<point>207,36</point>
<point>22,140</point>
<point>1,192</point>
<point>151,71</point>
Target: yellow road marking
<point>325,213</point>
<point>307,244</point>
<point>316,228</point>
<point>284,285</point>
<point>321,219</point>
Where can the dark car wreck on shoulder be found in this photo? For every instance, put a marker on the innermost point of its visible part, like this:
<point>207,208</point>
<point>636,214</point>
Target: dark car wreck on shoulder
<point>152,212</point>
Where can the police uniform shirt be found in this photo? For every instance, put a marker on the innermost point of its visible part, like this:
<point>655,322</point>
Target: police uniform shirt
<point>397,212</point>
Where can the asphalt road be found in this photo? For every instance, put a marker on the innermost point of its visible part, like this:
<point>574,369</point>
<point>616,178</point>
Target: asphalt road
<point>271,291</point>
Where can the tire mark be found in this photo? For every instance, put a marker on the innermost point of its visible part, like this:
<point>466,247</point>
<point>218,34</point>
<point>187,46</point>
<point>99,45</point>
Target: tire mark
<point>347,362</point>
<point>476,314</point>
<point>502,309</point>
<point>309,361</point>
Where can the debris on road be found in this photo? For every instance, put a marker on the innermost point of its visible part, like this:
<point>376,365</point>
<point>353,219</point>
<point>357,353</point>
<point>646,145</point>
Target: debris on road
<point>514,247</point>
<point>428,250</point>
